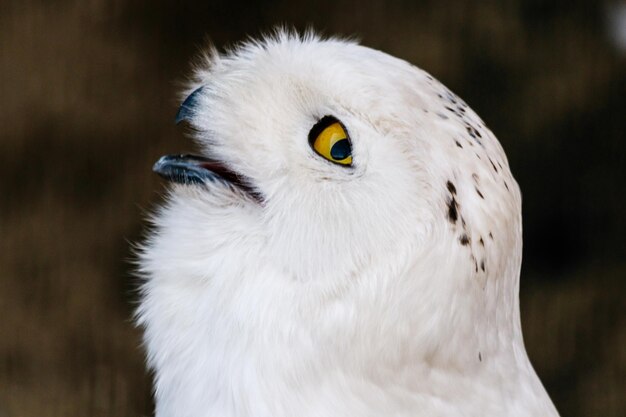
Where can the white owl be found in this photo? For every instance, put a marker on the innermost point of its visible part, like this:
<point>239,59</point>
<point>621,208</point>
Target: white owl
<point>348,244</point>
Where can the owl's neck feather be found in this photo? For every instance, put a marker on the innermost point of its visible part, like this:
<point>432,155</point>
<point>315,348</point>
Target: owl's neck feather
<point>257,343</point>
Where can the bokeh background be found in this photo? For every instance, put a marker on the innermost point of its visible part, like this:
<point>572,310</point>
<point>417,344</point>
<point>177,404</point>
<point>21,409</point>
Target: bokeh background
<point>88,93</point>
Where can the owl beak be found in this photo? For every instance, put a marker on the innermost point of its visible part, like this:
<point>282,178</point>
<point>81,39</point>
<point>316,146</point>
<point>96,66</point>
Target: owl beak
<point>188,108</point>
<point>184,169</point>
<point>193,169</point>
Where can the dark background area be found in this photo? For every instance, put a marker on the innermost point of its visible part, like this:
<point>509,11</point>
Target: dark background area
<point>88,91</point>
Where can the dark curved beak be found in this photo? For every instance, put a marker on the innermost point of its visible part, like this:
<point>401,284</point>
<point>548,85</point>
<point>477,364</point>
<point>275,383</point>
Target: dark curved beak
<point>184,169</point>
<point>193,169</point>
<point>188,108</point>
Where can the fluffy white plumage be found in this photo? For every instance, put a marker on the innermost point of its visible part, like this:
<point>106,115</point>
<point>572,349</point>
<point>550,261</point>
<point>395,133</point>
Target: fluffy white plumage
<point>388,288</point>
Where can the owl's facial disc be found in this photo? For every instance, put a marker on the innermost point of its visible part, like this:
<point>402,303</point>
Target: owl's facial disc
<point>193,169</point>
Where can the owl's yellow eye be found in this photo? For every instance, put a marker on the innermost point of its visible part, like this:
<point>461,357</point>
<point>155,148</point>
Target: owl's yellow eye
<point>329,139</point>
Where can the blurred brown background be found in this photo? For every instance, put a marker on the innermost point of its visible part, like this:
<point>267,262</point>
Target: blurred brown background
<point>88,93</point>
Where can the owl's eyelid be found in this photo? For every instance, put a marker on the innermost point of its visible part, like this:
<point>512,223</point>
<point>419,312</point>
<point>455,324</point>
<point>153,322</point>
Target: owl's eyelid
<point>320,125</point>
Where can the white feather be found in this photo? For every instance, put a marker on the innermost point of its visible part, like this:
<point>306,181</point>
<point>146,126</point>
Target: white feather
<point>349,291</point>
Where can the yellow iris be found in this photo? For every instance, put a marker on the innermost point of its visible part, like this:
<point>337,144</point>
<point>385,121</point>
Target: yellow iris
<point>333,144</point>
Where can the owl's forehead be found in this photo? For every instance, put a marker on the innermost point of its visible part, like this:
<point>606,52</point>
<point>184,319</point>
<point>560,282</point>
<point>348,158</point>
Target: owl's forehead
<point>292,79</point>
<point>301,60</point>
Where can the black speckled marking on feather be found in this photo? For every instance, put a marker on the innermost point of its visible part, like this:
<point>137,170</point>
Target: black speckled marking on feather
<point>474,133</point>
<point>453,213</point>
<point>452,205</point>
<point>493,165</point>
<point>450,186</point>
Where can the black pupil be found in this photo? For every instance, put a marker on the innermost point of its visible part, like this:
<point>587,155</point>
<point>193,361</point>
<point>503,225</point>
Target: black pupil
<point>341,150</point>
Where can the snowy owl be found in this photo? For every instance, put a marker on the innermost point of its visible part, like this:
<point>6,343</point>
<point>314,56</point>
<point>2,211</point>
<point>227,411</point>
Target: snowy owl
<point>348,244</point>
